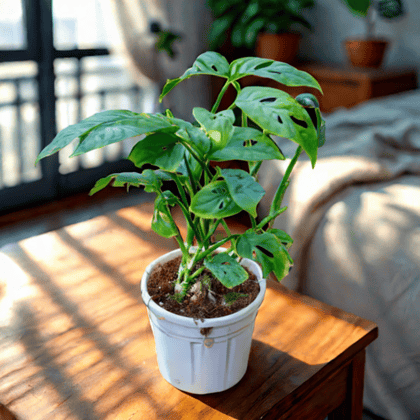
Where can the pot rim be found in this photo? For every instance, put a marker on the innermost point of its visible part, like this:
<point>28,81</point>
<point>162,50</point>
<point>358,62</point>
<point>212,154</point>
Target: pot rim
<point>206,322</point>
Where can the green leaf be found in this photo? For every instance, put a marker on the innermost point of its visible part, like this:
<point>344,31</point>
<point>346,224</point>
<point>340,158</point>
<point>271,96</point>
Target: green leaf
<point>227,270</point>
<point>162,224</point>
<point>278,113</point>
<point>160,149</point>
<point>359,7</point>
<point>214,202</point>
<point>147,178</point>
<point>267,250</point>
<point>218,126</point>
<point>210,63</point>
<point>120,129</point>
<point>245,191</point>
<point>232,297</point>
<point>275,70</point>
<point>248,144</point>
<point>66,136</point>
<point>285,239</point>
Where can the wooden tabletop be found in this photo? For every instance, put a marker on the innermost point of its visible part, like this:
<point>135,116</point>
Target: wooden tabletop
<point>75,340</point>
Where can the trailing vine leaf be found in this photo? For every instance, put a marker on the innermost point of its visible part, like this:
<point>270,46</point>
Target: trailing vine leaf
<point>266,249</point>
<point>214,202</point>
<point>275,70</point>
<point>248,144</point>
<point>226,269</point>
<point>245,191</point>
<point>148,178</point>
<point>278,113</point>
<point>210,63</point>
<point>160,149</point>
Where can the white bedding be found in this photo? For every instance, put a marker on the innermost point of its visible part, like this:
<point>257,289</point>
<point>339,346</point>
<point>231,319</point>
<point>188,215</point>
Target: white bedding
<point>355,220</point>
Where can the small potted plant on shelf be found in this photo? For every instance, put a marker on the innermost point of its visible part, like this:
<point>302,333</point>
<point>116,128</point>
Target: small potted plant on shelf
<point>268,27</point>
<point>370,51</point>
<point>202,299</point>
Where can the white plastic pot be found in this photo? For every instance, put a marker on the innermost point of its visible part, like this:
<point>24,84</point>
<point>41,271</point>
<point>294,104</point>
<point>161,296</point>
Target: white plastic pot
<point>192,361</point>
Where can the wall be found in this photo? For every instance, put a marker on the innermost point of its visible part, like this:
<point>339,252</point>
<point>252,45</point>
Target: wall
<point>333,23</point>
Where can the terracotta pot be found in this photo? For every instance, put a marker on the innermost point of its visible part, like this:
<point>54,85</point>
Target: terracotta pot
<point>366,53</point>
<point>279,47</point>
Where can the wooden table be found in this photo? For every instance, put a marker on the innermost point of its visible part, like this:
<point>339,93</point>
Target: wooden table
<point>76,342</point>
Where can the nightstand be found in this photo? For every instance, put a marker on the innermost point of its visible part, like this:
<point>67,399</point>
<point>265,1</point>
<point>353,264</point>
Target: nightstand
<point>349,86</point>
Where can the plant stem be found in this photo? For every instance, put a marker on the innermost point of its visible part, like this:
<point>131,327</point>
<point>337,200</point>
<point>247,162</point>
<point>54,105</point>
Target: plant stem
<point>276,203</point>
<point>219,98</point>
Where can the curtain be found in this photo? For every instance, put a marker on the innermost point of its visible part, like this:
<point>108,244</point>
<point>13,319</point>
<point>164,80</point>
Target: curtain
<point>189,18</point>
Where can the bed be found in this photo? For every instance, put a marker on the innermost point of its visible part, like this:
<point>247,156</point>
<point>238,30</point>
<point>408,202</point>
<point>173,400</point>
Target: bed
<point>355,221</point>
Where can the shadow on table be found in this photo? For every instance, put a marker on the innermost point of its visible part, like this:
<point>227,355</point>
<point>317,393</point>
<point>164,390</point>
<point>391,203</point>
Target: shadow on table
<point>268,369</point>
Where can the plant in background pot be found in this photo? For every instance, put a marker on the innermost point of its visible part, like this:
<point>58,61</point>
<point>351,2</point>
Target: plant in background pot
<point>370,51</point>
<point>202,299</point>
<point>268,27</point>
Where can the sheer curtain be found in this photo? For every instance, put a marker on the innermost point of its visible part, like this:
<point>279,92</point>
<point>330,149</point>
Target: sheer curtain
<point>189,18</point>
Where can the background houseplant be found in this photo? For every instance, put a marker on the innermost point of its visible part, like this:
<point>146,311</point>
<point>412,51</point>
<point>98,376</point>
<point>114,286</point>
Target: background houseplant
<point>369,52</point>
<point>268,27</point>
<point>182,152</point>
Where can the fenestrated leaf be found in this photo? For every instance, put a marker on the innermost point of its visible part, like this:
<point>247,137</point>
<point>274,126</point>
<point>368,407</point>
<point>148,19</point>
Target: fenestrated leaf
<point>245,191</point>
<point>227,270</point>
<point>67,135</point>
<point>214,202</point>
<point>147,178</point>
<point>120,129</point>
<point>248,144</point>
<point>162,224</point>
<point>285,239</point>
<point>267,250</point>
<point>275,70</point>
<point>218,126</point>
<point>278,113</point>
<point>210,63</point>
<point>160,149</point>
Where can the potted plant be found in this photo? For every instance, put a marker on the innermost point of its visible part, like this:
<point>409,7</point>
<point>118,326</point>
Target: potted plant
<point>270,27</point>
<point>370,51</point>
<point>202,299</point>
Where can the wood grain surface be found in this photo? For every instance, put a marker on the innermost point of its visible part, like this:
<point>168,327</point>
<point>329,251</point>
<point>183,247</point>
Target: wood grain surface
<point>76,341</point>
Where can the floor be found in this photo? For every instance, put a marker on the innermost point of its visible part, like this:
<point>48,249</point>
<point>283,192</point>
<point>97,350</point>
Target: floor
<point>26,223</point>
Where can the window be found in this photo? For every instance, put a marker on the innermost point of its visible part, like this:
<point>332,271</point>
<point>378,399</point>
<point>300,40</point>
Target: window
<point>55,69</point>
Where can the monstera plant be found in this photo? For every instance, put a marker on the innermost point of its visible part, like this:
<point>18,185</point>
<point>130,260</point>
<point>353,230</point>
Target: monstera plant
<point>181,152</point>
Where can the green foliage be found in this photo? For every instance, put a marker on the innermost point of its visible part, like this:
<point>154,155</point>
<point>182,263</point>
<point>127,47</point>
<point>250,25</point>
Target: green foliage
<point>246,18</point>
<point>181,153</point>
<point>388,9</point>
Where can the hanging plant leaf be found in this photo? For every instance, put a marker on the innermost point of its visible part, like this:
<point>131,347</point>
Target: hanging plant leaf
<point>214,202</point>
<point>275,70</point>
<point>159,149</point>
<point>162,224</point>
<point>245,191</point>
<point>219,127</point>
<point>278,113</point>
<point>227,270</point>
<point>267,250</point>
<point>210,63</point>
<point>248,144</point>
<point>148,178</point>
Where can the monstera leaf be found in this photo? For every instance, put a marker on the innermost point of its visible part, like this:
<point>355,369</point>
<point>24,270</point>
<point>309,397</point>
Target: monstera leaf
<point>278,113</point>
<point>227,270</point>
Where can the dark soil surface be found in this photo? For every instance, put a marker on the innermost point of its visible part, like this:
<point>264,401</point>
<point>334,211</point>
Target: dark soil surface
<point>203,303</point>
